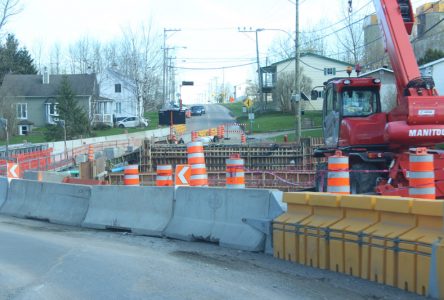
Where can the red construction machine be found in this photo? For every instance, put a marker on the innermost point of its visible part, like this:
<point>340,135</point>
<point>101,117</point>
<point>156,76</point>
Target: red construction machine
<point>378,142</point>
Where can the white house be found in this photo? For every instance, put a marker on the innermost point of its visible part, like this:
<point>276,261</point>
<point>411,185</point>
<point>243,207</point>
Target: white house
<point>123,91</point>
<point>388,87</point>
<point>436,70</point>
<point>317,67</point>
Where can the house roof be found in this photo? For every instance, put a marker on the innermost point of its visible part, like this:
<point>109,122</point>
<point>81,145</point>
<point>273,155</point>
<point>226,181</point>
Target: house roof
<point>119,76</point>
<point>432,63</point>
<point>315,55</point>
<point>375,71</point>
<point>32,85</point>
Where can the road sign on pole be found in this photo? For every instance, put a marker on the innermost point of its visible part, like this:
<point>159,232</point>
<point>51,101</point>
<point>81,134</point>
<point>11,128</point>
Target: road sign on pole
<point>183,174</point>
<point>13,170</point>
<point>248,103</point>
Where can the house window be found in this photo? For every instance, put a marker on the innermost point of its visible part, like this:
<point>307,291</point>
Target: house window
<point>23,129</point>
<point>22,111</point>
<point>329,71</point>
<point>117,88</point>
<point>118,108</point>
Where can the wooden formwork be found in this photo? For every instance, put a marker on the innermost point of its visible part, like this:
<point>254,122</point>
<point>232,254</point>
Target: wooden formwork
<point>285,180</point>
<point>257,156</point>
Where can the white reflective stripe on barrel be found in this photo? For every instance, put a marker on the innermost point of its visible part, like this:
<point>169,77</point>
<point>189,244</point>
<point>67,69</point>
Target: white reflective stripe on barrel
<point>239,186</point>
<point>235,162</point>
<point>338,189</point>
<point>334,174</point>
<point>337,160</point>
<point>127,176</point>
<point>199,176</point>
<point>164,177</point>
<point>195,144</point>
<point>164,167</point>
<point>235,174</point>
<point>415,174</point>
<point>193,155</point>
<point>421,158</point>
<point>198,166</point>
<point>421,191</point>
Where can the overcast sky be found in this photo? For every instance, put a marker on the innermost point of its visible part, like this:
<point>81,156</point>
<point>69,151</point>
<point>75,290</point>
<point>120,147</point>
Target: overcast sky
<point>208,27</point>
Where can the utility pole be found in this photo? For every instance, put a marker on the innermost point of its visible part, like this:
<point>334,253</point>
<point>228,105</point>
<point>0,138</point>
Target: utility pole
<point>297,79</point>
<point>164,95</point>
<point>259,73</point>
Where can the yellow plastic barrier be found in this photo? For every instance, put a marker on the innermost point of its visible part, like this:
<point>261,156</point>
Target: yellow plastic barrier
<point>391,240</point>
<point>313,241</point>
<point>379,260</point>
<point>180,129</point>
<point>436,283</point>
<point>212,132</point>
<point>285,227</point>
<point>415,246</point>
<point>345,238</point>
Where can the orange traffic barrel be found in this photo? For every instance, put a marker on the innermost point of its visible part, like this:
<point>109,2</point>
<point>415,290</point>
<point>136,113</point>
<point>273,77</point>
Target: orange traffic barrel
<point>421,175</point>
<point>164,175</point>
<point>338,181</point>
<point>199,175</point>
<point>235,174</point>
<point>243,138</point>
<point>194,135</point>
<point>90,152</point>
<point>220,131</point>
<point>131,175</point>
<point>195,153</point>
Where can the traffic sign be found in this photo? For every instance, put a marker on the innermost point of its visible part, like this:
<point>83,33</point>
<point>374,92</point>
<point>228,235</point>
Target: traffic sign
<point>248,103</point>
<point>231,99</point>
<point>13,170</point>
<point>183,174</point>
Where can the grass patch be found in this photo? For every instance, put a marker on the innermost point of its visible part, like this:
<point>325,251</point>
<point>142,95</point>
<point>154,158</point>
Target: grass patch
<point>37,134</point>
<point>271,121</point>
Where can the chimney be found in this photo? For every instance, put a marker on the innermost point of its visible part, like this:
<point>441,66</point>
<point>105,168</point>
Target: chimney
<point>45,76</point>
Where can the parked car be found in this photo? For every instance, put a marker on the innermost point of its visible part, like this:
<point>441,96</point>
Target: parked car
<point>196,110</point>
<point>132,122</point>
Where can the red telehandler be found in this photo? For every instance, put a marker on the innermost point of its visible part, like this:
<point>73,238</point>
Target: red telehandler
<point>377,142</point>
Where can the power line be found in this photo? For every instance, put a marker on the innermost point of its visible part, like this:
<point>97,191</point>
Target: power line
<point>340,21</point>
<point>215,68</point>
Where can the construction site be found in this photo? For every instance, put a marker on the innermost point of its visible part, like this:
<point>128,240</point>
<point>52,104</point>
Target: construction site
<point>207,210</point>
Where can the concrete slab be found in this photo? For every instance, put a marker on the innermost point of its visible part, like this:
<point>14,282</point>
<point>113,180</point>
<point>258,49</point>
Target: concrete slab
<point>3,189</point>
<point>54,202</point>
<point>141,210</point>
<point>219,214</point>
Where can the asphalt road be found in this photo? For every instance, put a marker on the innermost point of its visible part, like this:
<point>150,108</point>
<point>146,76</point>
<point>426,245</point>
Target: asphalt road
<point>45,261</point>
<point>215,115</point>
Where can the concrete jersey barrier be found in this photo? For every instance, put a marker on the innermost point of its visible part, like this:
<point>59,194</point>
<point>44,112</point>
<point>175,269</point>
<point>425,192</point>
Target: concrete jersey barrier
<point>54,202</point>
<point>3,190</point>
<point>141,210</point>
<point>221,215</point>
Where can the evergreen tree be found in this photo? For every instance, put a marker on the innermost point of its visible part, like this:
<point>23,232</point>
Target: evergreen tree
<point>14,59</point>
<point>430,55</point>
<point>76,119</point>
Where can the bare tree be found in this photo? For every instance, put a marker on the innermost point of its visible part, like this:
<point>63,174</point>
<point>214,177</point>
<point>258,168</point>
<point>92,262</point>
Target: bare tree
<point>350,37</point>
<point>8,9</point>
<point>284,90</point>
<point>55,59</point>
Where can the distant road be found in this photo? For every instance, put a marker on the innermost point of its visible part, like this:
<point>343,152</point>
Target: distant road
<point>42,261</point>
<point>215,115</point>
